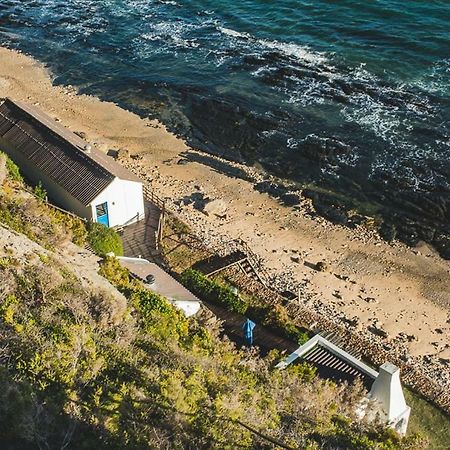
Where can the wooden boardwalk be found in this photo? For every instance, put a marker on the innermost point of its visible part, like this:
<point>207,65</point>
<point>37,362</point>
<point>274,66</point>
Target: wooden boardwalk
<point>139,239</point>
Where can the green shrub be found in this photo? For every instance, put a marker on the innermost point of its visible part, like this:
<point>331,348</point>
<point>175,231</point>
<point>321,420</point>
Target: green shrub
<point>13,170</point>
<point>40,192</point>
<point>76,225</point>
<point>117,275</point>
<point>104,240</point>
<point>213,292</point>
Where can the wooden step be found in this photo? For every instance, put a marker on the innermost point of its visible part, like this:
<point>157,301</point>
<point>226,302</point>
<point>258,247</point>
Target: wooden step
<point>216,263</point>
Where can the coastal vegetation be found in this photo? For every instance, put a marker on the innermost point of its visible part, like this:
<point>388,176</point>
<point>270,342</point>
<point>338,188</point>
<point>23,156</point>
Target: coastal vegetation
<point>214,292</point>
<point>104,240</point>
<point>218,291</point>
<point>24,210</point>
<point>95,365</point>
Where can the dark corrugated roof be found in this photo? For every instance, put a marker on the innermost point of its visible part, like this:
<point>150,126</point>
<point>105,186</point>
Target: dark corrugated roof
<point>58,152</point>
<point>331,366</point>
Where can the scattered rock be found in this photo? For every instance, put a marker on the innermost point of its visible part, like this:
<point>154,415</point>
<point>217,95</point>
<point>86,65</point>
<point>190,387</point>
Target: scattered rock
<point>322,266</point>
<point>123,153</point>
<point>81,134</point>
<point>217,207</point>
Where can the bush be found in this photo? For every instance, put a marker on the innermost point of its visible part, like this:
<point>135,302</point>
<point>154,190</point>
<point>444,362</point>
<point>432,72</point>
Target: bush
<point>40,192</point>
<point>13,170</point>
<point>75,225</point>
<point>117,275</point>
<point>213,292</point>
<point>275,318</point>
<point>104,240</point>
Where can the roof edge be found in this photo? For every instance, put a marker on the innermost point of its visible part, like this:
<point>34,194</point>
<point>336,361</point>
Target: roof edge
<point>339,352</point>
<point>95,157</point>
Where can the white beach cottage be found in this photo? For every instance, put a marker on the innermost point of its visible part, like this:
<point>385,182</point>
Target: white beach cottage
<point>77,177</point>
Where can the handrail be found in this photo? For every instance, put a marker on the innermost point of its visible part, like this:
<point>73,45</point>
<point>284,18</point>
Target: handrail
<point>150,195</point>
<point>51,205</point>
<point>253,259</point>
<point>133,219</point>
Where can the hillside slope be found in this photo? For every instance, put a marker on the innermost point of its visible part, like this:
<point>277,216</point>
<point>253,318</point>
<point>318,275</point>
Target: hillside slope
<point>89,364</point>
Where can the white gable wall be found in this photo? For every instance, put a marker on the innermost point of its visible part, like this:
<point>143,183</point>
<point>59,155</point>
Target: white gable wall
<point>125,200</point>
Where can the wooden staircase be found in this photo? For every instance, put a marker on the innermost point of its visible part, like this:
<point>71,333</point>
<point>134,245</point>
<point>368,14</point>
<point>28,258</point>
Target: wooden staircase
<point>249,269</point>
<point>216,263</point>
<point>235,252</point>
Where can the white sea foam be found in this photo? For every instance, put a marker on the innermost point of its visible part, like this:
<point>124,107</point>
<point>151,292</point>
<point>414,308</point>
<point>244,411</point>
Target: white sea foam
<point>286,48</point>
<point>292,143</point>
<point>437,79</point>
<point>295,50</point>
<point>233,33</point>
<point>169,33</point>
<point>168,2</point>
<point>306,92</point>
<point>373,115</point>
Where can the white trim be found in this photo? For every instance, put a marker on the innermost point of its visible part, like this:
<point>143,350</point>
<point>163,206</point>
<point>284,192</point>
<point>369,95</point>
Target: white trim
<point>342,354</point>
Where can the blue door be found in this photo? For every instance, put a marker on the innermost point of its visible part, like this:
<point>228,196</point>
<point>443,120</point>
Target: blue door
<point>102,214</point>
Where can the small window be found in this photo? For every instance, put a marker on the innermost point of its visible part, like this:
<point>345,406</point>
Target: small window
<point>101,210</point>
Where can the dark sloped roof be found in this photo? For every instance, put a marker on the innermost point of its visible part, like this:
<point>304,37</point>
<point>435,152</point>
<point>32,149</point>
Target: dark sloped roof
<point>58,152</point>
<point>331,366</point>
<point>331,361</point>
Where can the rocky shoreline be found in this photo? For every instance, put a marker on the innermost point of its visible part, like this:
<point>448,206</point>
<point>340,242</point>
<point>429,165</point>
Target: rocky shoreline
<point>429,376</point>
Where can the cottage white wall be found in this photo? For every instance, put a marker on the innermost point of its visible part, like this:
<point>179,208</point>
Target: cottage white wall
<point>125,200</point>
<point>55,192</point>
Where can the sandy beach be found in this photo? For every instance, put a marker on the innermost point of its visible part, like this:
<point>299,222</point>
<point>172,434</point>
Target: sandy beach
<point>376,285</point>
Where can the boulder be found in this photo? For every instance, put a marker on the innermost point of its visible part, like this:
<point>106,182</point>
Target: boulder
<point>81,134</point>
<point>378,331</point>
<point>217,207</point>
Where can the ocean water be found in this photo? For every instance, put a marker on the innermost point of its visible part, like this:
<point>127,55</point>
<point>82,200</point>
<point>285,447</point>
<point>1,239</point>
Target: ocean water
<point>349,98</point>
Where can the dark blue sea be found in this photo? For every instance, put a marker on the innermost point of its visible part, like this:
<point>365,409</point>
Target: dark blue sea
<point>348,99</point>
